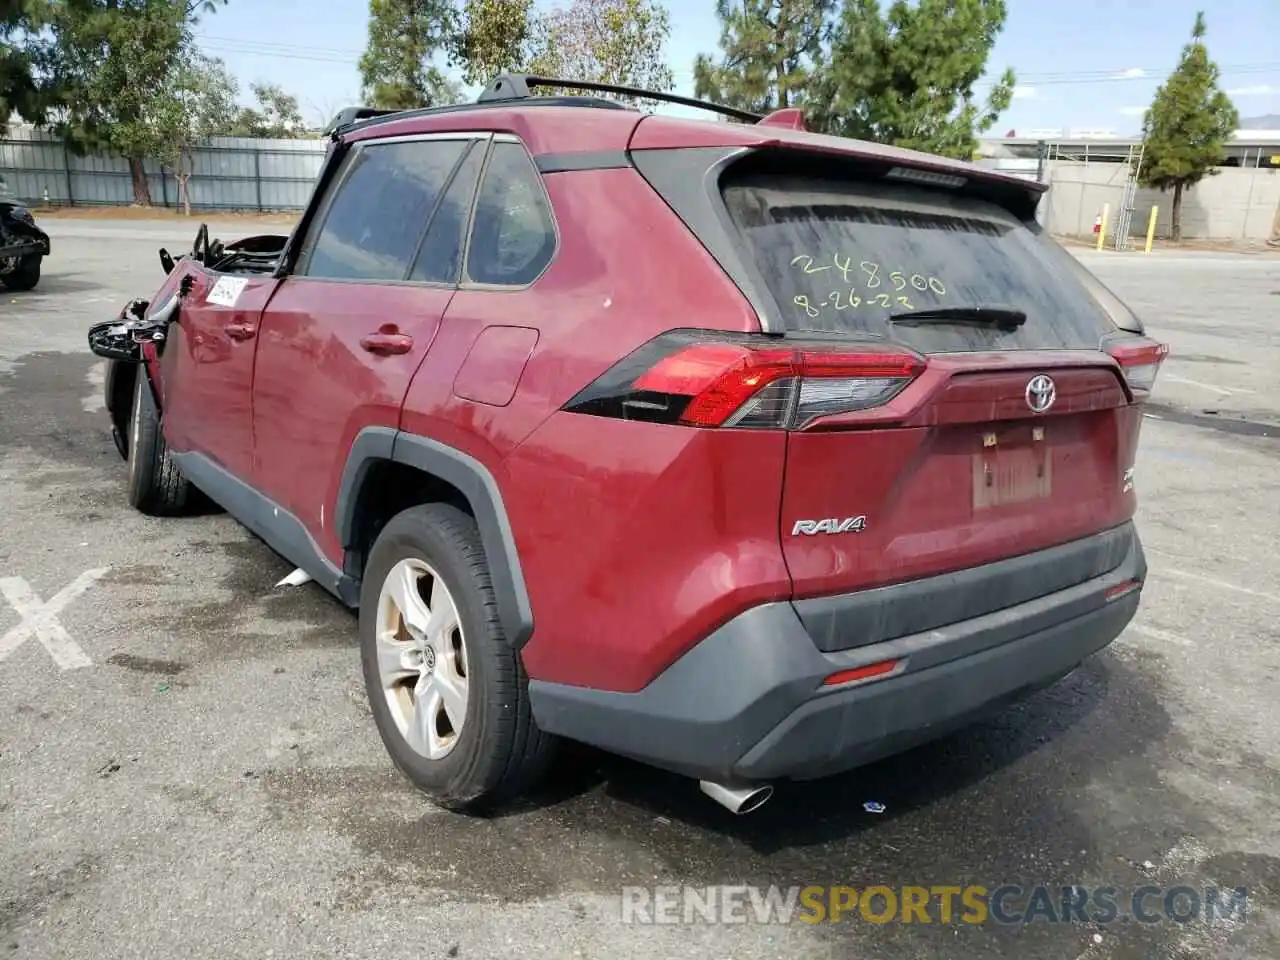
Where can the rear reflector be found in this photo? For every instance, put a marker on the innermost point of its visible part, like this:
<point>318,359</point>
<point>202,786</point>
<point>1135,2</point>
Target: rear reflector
<point>704,379</point>
<point>1140,359</point>
<point>1122,590</point>
<point>871,671</point>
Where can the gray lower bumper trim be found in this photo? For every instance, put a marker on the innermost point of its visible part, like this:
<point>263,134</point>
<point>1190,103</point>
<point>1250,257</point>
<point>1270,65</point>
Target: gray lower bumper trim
<point>839,731</point>
<point>747,702</point>
<point>882,613</point>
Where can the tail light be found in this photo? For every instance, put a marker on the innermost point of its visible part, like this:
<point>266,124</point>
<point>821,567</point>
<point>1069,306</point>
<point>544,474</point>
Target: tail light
<point>703,379</point>
<point>1140,359</point>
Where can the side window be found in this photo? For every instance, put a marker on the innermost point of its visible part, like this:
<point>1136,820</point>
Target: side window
<point>376,219</point>
<point>513,237</point>
<point>441,255</point>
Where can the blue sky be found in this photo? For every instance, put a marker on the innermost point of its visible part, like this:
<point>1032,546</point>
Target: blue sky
<point>1080,63</point>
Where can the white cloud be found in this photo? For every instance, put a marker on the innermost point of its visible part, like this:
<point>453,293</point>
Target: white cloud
<point>1257,90</point>
<point>1133,111</point>
<point>1133,73</point>
<point>1025,93</point>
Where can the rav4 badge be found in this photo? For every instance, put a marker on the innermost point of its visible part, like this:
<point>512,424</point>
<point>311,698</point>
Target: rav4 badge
<point>832,525</point>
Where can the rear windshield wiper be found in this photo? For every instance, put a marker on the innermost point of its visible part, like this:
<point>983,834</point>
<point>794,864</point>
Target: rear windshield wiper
<point>1003,317</point>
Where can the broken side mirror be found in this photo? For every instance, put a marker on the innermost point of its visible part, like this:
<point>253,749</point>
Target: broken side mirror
<point>122,338</point>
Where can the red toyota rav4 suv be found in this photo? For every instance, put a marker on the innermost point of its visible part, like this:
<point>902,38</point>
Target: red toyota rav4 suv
<point>749,453</point>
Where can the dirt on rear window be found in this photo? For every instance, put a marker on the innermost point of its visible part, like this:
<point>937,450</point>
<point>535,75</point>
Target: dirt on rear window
<point>847,256</point>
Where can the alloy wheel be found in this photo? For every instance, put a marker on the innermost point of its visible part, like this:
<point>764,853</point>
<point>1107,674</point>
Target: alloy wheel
<point>422,658</point>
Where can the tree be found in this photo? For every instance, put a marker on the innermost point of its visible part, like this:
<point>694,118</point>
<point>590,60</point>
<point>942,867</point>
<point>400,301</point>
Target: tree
<point>23,58</point>
<point>605,41</point>
<point>491,37</point>
<point>110,60</point>
<point>396,69</point>
<point>906,75</point>
<point>198,102</point>
<point>277,116</point>
<point>767,50</point>
<point>1186,129</point>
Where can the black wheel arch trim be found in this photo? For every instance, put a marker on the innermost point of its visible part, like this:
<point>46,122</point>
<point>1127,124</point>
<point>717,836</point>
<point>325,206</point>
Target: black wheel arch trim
<point>476,483</point>
<point>371,445</point>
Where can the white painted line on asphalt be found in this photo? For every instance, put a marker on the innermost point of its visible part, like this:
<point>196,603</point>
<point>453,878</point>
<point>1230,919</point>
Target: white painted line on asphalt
<point>97,378</point>
<point>1207,386</point>
<point>1164,636</point>
<point>1220,584</point>
<point>40,619</point>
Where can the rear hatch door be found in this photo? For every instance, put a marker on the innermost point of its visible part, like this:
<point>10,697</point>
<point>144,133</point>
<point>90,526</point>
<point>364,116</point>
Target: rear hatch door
<point>1018,431</point>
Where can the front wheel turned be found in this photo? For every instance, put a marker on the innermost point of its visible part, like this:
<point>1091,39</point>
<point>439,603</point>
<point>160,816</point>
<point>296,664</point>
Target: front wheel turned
<point>156,485</point>
<point>448,692</point>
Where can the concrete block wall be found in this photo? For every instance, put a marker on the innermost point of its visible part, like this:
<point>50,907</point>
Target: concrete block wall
<point>1233,204</point>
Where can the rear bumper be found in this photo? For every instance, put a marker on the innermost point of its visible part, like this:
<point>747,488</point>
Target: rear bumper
<point>748,702</point>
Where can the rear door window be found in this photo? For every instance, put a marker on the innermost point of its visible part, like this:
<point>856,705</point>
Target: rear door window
<point>844,257</point>
<point>373,226</point>
<point>440,256</point>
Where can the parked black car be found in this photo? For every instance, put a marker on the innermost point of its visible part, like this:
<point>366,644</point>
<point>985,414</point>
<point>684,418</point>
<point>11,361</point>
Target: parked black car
<point>23,245</point>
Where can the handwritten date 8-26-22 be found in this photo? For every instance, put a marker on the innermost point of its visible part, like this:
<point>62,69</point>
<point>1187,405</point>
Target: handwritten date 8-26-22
<point>868,273</point>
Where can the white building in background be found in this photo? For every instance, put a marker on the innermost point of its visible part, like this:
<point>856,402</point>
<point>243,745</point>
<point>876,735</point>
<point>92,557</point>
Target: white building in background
<point>1247,148</point>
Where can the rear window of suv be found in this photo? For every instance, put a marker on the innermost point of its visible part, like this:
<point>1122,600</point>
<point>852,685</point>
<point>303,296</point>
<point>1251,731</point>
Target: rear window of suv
<point>844,257</point>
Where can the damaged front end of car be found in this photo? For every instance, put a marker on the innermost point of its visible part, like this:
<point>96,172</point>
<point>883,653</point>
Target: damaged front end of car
<point>19,235</point>
<point>133,341</point>
<point>123,338</point>
<point>130,343</point>
<point>23,245</point>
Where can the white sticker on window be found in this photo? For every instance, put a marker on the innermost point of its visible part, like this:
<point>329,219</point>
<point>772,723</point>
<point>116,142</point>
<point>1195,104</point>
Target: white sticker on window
<point>226,291</point>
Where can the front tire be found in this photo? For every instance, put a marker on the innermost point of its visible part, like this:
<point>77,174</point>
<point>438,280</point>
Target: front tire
<point>156,485</point>
<point>448,692</point>
<point>25,275</point>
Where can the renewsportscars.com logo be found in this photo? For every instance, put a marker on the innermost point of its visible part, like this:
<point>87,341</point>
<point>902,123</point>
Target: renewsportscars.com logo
<point>973,904</point>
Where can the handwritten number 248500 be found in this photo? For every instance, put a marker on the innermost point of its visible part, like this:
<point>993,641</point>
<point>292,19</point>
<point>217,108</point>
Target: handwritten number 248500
<point>871,275</point>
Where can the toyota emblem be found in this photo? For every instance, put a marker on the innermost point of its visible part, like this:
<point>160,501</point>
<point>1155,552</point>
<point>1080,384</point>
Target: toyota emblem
<point>1040,393</point>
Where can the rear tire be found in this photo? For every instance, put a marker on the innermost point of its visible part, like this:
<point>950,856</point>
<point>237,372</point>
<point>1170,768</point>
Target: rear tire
<point>429,558</point>
<point>156,485</point>
<point>25,275</point>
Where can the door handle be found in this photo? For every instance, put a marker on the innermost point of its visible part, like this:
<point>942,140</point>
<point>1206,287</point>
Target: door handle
<point>241,331</point>
<point>387,341</point>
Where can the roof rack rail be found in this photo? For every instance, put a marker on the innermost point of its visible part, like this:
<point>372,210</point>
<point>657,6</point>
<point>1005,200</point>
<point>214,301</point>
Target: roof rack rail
<point>354,117</point>
<point>518,86</point>
<point>351,115</point>
<point>512,87</point>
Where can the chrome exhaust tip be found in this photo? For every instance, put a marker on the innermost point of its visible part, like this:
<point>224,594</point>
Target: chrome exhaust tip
<point>739,800</point>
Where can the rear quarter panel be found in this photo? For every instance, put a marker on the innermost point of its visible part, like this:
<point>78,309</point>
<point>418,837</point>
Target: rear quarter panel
<point>634,539</point>
<point>625,270</point>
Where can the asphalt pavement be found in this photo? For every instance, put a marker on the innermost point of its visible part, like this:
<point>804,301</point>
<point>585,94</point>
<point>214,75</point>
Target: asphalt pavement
<point>188,766</point>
